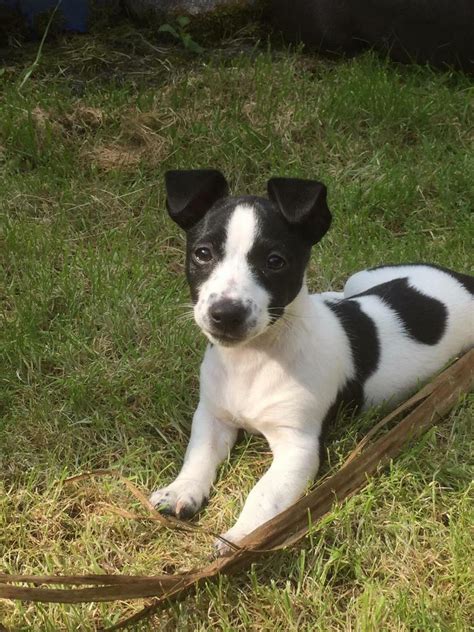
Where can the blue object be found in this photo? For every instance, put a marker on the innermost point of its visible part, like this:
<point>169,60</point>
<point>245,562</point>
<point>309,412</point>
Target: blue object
<point>73,12</point>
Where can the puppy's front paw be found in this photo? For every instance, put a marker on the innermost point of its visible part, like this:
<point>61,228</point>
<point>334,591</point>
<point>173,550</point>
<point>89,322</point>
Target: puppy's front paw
<point>181,499</point>
<point>222,548</point>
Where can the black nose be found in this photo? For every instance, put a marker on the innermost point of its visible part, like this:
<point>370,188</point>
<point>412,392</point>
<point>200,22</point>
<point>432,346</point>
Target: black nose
<point>228,315</point>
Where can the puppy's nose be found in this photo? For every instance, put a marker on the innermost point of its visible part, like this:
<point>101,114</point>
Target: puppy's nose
<point>228,314</point>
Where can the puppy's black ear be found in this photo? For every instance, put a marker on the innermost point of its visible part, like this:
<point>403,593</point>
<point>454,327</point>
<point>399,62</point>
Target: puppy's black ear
<point>191,193</point>
<point>302,202</point>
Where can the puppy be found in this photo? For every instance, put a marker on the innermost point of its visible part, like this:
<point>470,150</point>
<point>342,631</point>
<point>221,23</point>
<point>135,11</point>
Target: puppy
<point>281,361</point>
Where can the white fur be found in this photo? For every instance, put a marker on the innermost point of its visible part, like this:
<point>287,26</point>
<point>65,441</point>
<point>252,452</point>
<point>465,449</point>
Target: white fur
<point>282,382</point>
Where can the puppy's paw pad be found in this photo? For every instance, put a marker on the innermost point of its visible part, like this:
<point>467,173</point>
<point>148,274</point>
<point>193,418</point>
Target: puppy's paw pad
<point>182,500</point>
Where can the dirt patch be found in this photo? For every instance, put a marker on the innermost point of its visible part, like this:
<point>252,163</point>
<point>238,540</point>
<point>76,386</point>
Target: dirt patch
<point>84,118</point>
<point>143,128</point>
<point>111,157</point>
<point>80,120</point>
<point>44,121</point>
<point>139,140</point>
<point>140,137</point>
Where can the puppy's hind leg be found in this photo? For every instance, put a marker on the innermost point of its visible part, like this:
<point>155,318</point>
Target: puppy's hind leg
<point>209,445</point>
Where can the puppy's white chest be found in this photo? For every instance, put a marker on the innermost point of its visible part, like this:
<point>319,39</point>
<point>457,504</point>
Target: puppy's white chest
<point>254,393</point>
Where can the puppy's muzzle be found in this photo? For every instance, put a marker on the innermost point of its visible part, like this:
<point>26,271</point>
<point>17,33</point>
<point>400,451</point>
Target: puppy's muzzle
<point>229,319</point>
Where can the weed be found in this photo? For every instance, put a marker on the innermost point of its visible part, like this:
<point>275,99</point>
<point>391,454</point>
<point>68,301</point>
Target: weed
<point>180,33</point>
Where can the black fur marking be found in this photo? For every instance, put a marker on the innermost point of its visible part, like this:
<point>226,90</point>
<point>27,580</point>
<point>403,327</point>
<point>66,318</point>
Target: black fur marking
<point>211,232</point>
<point>365,347</point>
<point>466,280</point>
<point>362,335</point>
<point>276,235</point>
<point>423,317</point>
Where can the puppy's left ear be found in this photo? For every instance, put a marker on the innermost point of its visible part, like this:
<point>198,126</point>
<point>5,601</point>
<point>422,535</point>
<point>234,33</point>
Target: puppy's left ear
<point>303,203</point>
<point>191,193</point>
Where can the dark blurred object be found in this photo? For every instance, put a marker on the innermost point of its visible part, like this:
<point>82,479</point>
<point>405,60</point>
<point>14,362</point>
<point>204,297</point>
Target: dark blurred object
<point>11,20</point>
<point>142,8</point>
<point>438,32</point>
<point>73,15</point>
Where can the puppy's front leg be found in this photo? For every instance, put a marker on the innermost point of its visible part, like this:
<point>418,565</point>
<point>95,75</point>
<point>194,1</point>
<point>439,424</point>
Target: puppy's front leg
<point>295,464</point>
<point>210,443</point>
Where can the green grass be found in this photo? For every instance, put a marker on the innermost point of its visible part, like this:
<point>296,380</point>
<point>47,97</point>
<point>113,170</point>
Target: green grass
<point>98,369</point>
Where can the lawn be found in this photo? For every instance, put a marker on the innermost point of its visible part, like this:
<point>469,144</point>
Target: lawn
<point>99,361</point>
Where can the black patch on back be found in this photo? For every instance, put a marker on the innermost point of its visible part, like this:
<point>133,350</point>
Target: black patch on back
<point>466,280</point>
<point>424,318</point>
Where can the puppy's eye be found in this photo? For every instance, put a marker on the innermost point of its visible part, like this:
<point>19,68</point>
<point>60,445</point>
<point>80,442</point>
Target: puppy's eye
<point>275,262</point>
<point>202,255</point>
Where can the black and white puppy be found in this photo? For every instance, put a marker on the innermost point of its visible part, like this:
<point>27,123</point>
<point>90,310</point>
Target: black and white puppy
<point>281,361</point>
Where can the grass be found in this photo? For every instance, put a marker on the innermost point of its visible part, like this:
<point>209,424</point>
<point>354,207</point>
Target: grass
<point>97,369</point>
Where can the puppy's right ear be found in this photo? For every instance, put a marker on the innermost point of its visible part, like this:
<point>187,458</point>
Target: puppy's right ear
<point>191,193</point>
<point>302,203</point>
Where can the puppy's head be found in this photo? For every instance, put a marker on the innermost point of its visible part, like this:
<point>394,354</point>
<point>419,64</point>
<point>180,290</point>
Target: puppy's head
<point>245,256</point>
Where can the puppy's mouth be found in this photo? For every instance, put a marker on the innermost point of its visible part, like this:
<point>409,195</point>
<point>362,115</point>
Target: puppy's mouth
<point>226,339</point>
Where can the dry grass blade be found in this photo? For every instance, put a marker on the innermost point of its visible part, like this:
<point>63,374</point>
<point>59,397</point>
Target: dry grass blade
<point>425,409</point>
<point>170,522</point>
<point>154,514</point>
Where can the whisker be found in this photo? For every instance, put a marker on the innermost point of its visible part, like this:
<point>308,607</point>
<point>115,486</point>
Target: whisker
<point>178,306</point>
<point>187,316</point>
